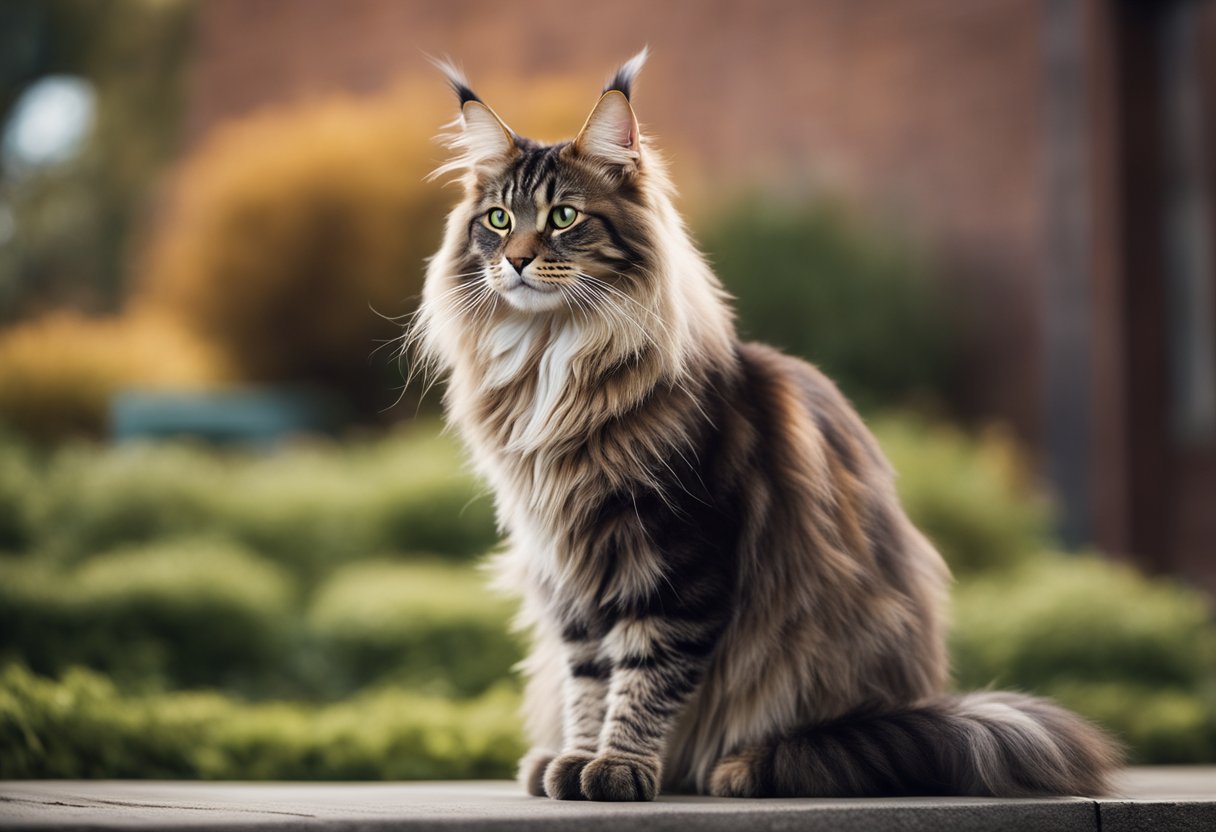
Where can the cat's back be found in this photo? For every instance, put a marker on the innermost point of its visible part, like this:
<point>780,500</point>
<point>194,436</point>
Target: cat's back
<point>832,494</point>
<point>794,400</point>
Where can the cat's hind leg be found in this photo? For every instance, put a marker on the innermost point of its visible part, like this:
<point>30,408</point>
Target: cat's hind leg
<point>532,770</point>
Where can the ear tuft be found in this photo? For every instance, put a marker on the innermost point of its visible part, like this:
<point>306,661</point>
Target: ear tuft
<point>623,80</point>
<point>456,80</point>
<point>611,132</point>
<point>478,137</point>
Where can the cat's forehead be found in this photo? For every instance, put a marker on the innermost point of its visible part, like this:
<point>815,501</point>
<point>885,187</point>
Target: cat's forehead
<point>537,173</point>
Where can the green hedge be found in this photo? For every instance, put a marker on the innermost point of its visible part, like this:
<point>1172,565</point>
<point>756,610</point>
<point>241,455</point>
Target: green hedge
<point>1136,654</point>
<point>1081,619</point>
<point>315,507</point>
<point>811,280</point>
<point>186,613</point>
<point>970,494</point>
<point>432,627</point>
<point>83,726</point>
<point>205,613</point>
<point>296,575</point>
<point>1158,726</point>
<point>17,483</point>
<point>309,507</point>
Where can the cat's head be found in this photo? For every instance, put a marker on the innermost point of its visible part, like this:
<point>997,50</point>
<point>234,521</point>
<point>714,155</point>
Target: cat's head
<point>547,228</point>
<point>575,246</point>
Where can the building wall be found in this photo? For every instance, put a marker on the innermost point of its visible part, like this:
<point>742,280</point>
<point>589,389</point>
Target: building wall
<point>940,117</point>
<point>924,112</point>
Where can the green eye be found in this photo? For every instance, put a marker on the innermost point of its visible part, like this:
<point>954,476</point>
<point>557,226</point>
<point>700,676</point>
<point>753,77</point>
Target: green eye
<point>498,218</point>
<point>563,216</point>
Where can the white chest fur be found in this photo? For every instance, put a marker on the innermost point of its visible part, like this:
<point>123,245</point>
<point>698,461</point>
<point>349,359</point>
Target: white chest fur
<point>532,345</point>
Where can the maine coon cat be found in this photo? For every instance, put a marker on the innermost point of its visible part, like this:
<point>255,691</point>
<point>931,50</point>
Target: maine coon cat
<point>723,591</point>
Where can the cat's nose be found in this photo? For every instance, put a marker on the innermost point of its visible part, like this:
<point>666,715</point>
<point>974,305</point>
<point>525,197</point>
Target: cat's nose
<point>520,263</point>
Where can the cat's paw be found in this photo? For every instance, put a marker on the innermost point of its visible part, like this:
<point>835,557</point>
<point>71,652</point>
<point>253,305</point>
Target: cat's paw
<point>735,775</point>
<point>532,770</point>
<point>561,780</point>
<point>618,777</point>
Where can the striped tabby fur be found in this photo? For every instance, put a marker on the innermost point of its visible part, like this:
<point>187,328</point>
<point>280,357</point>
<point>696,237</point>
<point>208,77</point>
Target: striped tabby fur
<point>724,593</point>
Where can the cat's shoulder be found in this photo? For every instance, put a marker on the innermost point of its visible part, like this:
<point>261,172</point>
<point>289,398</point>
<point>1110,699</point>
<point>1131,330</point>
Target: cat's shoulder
<point>790,394</point>
<point>765,364</point>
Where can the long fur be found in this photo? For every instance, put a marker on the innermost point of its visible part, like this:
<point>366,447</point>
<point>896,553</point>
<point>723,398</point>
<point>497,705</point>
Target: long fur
<point>723,591</point>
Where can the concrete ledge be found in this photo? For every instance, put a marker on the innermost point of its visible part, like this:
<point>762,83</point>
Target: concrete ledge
<point>1149,799</point>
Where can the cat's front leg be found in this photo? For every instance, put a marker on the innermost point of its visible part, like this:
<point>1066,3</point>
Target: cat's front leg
<point>657,662</point>
<point>584,702</point>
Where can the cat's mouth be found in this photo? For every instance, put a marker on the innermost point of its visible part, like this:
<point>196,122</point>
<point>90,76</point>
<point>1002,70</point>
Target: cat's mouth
<point>514,282</point>
<point>528,294</point>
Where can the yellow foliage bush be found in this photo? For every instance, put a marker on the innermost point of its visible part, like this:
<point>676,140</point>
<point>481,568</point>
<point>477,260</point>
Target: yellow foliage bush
<point>58,373</point>
<point>294,227</point>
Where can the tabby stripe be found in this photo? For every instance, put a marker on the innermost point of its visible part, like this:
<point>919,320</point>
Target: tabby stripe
<point>678,687</point>
<point>844,448</point>
<point>575,631</point>
<point>661,656</point>
<point>696,648</point>
<point>531,163</point>
<point>545,166</point>
<point>640,729</point>
<point>638,662</point>
<point>590,670</point>
<point>615,236</point>
<point>706,609</point>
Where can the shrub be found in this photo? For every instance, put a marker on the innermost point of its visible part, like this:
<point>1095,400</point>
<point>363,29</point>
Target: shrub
<point>970,495</point>
<point>202,613</point>
<point>1133,653</point>
<point>431,626</point>
<point>1158,726</point>
<point>310,506</point>
<point>82,726</point>
<point>288,226</point>
<point>291,223</point>
<point>1072,619</point>
<point>57,374</point>
<point>813,282</point>
<point>321,505</point>
<point>92,499</point>
<point>17,482</point>
<point>193,612</point>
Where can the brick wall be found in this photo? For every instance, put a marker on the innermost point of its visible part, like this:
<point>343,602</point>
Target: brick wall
<point>925,112</point>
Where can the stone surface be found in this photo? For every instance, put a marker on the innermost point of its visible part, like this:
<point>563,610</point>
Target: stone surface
<point>1158,799</point>
<point>1166,798</point>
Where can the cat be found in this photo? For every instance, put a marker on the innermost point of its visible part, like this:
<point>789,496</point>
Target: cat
<point>723,592</point>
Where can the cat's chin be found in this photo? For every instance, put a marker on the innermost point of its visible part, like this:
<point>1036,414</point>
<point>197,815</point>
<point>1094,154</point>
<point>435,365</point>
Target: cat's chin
<point>524,297</point>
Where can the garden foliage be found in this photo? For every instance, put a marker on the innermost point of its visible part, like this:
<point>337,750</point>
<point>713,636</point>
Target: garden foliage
<point>241,615</point>
<point>83,726</point>
<point>173,610</point>
<point>813,281</point>
<point>290,253</point>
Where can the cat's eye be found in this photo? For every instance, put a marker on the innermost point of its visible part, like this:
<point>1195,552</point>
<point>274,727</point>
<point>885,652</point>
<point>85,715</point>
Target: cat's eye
<point>563,216</point>
<point>499,219</point>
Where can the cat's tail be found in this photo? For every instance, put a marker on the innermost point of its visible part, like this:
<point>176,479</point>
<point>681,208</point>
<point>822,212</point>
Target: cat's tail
<point>997,744</point>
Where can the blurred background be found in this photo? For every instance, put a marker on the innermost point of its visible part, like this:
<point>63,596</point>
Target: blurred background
<point>231,546</point>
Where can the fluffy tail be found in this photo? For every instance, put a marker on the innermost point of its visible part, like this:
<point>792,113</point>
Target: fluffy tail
<point>994,744</point>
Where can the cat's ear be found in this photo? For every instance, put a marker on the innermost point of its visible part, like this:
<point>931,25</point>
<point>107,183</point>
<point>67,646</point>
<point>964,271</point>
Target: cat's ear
<point>486,137</point>
<point>480,137</point>
<point>611,133</point>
